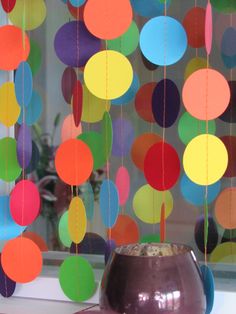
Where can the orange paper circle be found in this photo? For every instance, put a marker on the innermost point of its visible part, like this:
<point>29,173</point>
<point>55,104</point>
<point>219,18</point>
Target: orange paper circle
<point>108,19</point>
<point>206,94</point>
<point>225,208</point>
<point>21,260</point>
<point>125,231</point>
<point>12,50</point>
<point>74,162</point>
<point>141,146</point>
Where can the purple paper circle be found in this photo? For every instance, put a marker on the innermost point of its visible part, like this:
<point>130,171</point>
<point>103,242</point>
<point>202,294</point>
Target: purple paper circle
<point>24,146</point>
<point>74,45</point>
<point>165,103</point>
<point>7,286</point>
<point>230,113</point>
<point>92,244</point>
<point>123,137</point>
<point>68,80</point>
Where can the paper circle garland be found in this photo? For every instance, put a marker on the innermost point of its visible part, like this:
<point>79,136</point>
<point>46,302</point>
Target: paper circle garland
<point>109,203</point>
<point>227,6</point>
<point>165,103</point>
<point>162,166</point>
<point>164,50</point>
<point>77,278</point>
<point>69,130</point>
<point>154,7</point>
<point>21,260</point>
<point>32,12</point>
<point>143,102</point>
<point>77,102</point>
<point>12,48</point>
<point>224,208</point>
<point>205,159</point>
<point>227,47</point>
<point>213,236</point>
<point>125,231</point>
<point>79,42</point>
<point>24,202</point>
<point>8,228</point>
<point>126,43</point>
<point>9,107</point>
<point>107,19</point>
<point>35,57</point>
<point>123,184</point>
<point>32,111</point>
<point>88,199</point>
<point>114,74</point>
<point>68,81</point>
<point>123,136</point>
<point>147,203</point>
<point>224,253</point>
<point>208,28</point>
<point>77,3</point>
<point>194,24</point>
<point>195,194</point>
<point>206,94</point>
<point>193,65</point>
<point>209,287</point>
<point>73,162</point>
<point>7,286</point>
<point>76,12</point>
<point>8,5</point>
<point>189,127</point>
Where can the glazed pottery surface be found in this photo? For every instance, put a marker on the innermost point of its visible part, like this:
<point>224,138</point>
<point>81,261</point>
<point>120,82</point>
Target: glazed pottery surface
<point>152,279</point>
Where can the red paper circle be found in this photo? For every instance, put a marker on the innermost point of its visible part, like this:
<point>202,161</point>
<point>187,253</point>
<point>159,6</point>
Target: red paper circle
<point>74,162</point>
<point>76,12</point>
<point>194,24</point>
<point>24,202</point>
<point>8,5</point>
<point>162,166</point>
<point>77,102</point>
<point>143,102</point>
<point>230,144</point>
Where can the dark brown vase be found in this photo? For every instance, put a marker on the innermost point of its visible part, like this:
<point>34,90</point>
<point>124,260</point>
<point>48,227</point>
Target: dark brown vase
<point>153,278</point>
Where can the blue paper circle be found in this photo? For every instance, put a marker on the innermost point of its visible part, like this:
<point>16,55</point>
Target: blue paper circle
<point>109,203</point>
<point>209,287</point>
<point>8,228</point>
<point>23,84</point>
<point>77,3</point>
<point>33,111</point>
<point>195,194</point>
<point>163,40</point>
<point>228,47</point>
<point>151,9</point>
<point>229,61</point>
<point>130,94</point>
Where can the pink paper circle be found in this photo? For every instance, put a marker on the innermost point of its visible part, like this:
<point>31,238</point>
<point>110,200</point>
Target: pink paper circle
<point>24,202</point>
<point>208,28</point>
<point>123,184</point>
<point>69,130</point>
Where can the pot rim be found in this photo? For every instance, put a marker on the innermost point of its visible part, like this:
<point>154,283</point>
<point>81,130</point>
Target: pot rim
<point>183,250</point>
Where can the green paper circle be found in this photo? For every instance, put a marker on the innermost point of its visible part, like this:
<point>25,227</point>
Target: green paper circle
<point>150,238</point>
<point>225,6</point>
<point>77,279</point>
<point>35,57</point>
<point>107,134</point>
<point>127,43</point>
<point>95,143</point>
<point>9,166</point>
<point>190,127</point>
<point>63,230</point>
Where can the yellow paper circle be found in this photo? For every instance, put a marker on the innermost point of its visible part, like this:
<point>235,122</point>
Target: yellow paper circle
<point>193,65</point>
<point>9,107</point>
<point>205,159</point>
<point>224,253</point>
<point>147,204</point>
<point>93,108</point>
<point>35,14</point>
<point>108,74</point>
<point>77,221</point>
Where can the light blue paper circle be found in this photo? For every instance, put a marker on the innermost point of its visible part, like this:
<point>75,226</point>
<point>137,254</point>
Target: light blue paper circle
<point>209,287</point>
<point>163,40</point>
<point>151,9</point>
<point>23,84</point>
<point>77,3</point>
<point>109,203</point>
<point>195,194</point>
<point>88,199</point>
<point>130,94</point>
<point>8,228</point>
<point>33,111</point>
<point>229,61</point>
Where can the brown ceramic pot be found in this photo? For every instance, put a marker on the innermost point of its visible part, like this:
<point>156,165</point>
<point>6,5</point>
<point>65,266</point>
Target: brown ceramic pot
<point>152,279</point>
